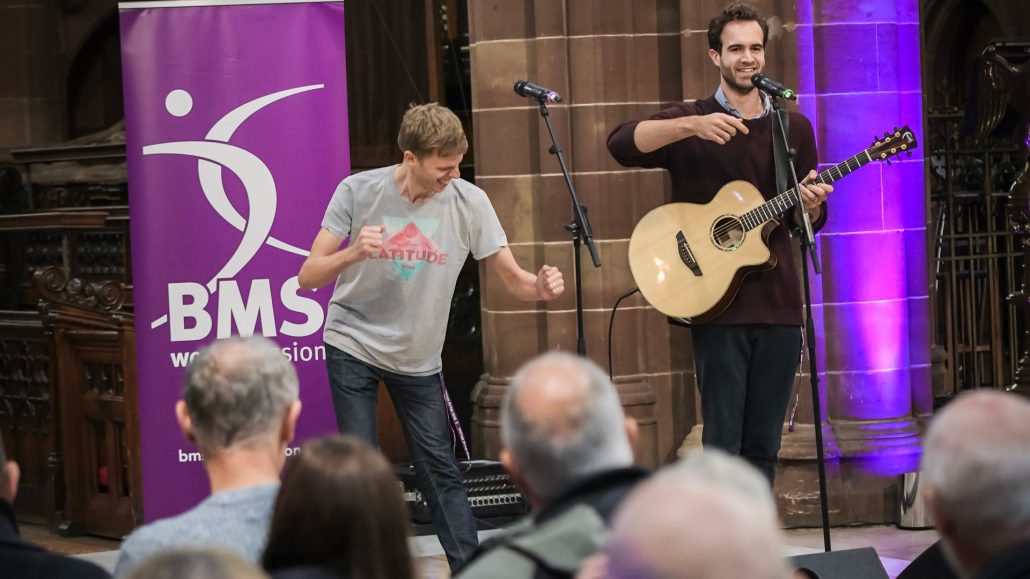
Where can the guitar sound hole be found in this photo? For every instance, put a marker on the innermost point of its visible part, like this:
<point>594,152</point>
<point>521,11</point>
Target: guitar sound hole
<point>727,233</point>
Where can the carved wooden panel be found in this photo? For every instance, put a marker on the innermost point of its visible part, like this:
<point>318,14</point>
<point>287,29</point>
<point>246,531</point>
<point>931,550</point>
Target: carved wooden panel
<point>90,244</point>
<point>54,285</point>
<point>95,378</point>
<point>102,254</point>
<point>78,194</point>
<point>93,399</point>
<point>44,249</point>
<point>27,418</point>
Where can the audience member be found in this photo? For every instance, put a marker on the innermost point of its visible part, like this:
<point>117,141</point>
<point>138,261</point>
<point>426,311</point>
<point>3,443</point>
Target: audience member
<point>976,472</point>
<point>568,446</point>
<point>21,559</point>
<point>339,514</point>
<point>240,408</point>
<point>711,516</point>
<point>196,563</point>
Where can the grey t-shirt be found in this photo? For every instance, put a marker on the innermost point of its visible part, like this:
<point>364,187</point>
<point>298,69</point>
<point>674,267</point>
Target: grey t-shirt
<point>391,311</point>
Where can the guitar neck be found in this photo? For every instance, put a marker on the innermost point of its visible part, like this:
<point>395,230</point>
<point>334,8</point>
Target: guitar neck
<point>788,199</point>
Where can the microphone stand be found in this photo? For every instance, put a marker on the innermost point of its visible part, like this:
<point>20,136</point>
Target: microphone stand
<point>807,241</point>
<point>579,228</point>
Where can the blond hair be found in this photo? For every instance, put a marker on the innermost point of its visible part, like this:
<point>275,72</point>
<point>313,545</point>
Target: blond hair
<point>431,129</point>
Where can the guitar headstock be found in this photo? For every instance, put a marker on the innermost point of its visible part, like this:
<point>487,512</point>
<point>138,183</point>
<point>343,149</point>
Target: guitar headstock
<point>892,144</point>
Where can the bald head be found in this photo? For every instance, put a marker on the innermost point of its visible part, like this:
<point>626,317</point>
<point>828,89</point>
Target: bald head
<point>976,464</point>
<point>553,396</point>
<point>237,391</point>
<point>562,422</point>
<point>656,532</point>
<point>979,418</point>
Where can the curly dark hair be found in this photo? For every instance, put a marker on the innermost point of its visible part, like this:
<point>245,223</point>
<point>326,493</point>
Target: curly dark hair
<point>732,12</point>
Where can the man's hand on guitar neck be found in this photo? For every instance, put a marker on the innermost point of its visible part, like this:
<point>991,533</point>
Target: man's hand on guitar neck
<point>813,194</point>
<point>717,127</point>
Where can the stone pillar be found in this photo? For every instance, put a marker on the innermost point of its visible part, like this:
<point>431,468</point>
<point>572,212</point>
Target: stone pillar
<point>610,61</point>
<point>32,87</point>
<point>859,76</point>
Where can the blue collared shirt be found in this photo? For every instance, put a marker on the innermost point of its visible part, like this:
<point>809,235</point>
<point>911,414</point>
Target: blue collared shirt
<point>720,96</point>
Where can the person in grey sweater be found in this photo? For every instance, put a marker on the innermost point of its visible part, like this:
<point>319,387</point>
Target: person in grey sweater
<point>240,407</point>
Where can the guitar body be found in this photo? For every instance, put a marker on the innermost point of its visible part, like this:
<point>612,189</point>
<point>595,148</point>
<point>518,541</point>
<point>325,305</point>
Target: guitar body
<point>689,260</point>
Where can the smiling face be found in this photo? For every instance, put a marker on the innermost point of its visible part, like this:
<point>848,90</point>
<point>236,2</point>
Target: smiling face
<point>743,54</point>
<point>432,173</point>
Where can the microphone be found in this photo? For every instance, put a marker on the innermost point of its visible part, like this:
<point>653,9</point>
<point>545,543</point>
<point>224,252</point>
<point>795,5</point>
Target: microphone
<point>524,88</point>
<point>770,86</point>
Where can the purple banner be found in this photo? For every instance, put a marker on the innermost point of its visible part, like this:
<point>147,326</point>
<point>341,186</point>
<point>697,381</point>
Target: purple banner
<point>236,135</point>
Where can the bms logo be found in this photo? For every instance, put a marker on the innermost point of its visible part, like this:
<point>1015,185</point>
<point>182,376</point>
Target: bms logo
<point>187,317</point>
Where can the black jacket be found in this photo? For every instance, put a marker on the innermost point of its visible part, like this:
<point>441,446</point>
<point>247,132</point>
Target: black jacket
<point>1012,564</point>
<point>24,560</point>
<point>553,542</point>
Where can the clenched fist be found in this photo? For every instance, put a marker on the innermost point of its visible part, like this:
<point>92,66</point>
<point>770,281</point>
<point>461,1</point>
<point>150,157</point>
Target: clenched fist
<point>550,283</point>
<point>368,241</point>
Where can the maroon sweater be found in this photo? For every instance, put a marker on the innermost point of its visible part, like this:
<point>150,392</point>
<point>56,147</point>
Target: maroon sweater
<point>699,168</point>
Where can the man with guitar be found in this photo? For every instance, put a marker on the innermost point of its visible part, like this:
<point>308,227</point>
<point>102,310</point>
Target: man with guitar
<point>747,355</point>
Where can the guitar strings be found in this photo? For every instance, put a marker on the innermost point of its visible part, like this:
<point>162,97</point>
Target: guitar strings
<point>791,194</point>
<point>825,177</point>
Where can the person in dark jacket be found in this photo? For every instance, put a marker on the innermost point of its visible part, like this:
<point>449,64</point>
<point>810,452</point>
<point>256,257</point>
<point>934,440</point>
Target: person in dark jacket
<point>568,446</point>
<point>21,559</point>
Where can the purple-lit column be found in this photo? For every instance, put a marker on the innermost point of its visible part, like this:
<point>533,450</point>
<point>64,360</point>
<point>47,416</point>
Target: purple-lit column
<point>859,74</point>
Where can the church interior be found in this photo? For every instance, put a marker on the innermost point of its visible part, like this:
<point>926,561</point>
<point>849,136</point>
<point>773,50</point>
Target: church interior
<point>924,282</point>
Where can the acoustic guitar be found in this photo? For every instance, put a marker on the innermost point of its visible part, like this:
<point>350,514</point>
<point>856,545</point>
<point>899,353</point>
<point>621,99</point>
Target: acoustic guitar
<point>689,259</point>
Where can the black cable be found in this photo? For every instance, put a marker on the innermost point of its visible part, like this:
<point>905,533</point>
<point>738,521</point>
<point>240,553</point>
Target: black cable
<point>455,57</point>
<point>397,49</point>
<point>611,323</point>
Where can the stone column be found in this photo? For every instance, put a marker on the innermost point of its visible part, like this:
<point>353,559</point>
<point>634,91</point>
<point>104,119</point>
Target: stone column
<point>859,76</point>
<point>610,61</point>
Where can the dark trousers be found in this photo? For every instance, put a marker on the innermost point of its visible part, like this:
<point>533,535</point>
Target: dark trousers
<point>423,417</point>
<point>746,375</point>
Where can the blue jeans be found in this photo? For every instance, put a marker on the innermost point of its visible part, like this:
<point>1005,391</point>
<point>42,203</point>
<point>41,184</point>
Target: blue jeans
<point>423,417</point>
<point>746,374</point>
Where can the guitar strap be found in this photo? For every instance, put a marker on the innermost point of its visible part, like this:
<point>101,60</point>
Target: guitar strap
<point>780,155</point>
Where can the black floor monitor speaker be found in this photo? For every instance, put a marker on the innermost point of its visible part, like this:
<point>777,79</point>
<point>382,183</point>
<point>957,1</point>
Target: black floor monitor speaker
<point>494,499</point>
<point>847,564</point>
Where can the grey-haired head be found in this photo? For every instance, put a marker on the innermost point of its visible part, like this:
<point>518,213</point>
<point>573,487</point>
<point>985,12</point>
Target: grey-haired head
<point>561,422</point>
<point>237,391</point>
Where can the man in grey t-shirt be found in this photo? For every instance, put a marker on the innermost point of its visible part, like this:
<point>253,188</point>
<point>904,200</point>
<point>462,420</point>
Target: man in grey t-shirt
<point>411,227</point>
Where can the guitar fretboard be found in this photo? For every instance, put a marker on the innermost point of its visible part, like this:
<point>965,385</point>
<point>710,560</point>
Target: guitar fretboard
<point>788,199</point>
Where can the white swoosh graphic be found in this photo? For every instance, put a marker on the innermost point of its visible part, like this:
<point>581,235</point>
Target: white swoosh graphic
<point>257,182</point>
<point>211,174</point>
